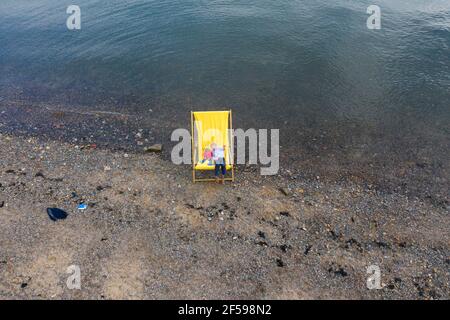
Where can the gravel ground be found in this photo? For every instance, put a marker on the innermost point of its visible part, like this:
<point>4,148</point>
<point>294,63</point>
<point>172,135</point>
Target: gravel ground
<point>150,233</point>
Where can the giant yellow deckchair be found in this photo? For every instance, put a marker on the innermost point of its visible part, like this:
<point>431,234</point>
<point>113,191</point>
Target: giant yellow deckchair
<point>209,127</point>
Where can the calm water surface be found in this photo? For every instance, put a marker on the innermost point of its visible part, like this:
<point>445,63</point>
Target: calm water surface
<point>294,64</point>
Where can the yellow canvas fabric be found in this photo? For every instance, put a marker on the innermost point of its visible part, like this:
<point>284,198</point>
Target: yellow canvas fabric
<point>211,127</point>
<point>205,166</point>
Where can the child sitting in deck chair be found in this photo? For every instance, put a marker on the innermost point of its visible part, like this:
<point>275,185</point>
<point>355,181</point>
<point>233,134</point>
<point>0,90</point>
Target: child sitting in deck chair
<point>219,160</point>
<point>207,156</point>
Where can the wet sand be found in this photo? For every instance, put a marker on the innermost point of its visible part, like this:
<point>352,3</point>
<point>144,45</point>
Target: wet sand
<point>150,233</point>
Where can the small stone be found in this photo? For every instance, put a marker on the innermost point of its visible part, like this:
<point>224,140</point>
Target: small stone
<point>107,168</point>
<point>285,191</point>
<point>154,148</point>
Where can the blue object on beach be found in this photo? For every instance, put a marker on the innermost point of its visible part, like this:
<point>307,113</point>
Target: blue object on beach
<point>82,206</point>
<point>56,214</point>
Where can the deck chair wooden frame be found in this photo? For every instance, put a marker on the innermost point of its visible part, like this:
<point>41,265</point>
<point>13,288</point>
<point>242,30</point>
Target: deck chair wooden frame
<point>195,146</point>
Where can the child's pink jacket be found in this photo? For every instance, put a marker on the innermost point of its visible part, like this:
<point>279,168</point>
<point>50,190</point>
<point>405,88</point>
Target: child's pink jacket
<point>207,155</point>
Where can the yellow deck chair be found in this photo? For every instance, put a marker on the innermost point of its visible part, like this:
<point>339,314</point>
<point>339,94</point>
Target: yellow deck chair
<point>211,127</point>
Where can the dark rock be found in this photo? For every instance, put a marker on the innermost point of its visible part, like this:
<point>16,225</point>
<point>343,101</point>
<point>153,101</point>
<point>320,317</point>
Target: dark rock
<point>262,243</point>
<point>24,285</point>
<point>2,204</point>
<point>420,289</point>
<point>261,234</point>
<point>307,249</point>
<point>39,174</point>
<point>284,247</point>
<point>402,244</point>
<point>334,234</point>
<point>339,271</point>
<point>56,214</point>
<point>280,263</point>
<point>191,206</point>
<point>352,242</point>
<point>432,293</point>
<point>382,244</point>
<point>285,213</point>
